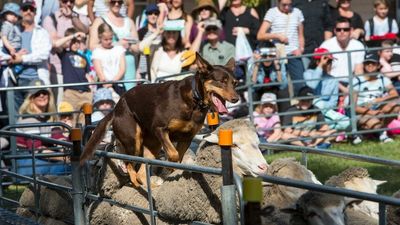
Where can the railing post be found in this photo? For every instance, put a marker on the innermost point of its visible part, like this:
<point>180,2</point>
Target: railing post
<point>77,188</point>
<point>252,195</point>
<point>147,52</point>
<point>87,109</point>
<point>229,212</point>
<point>212,120</point>
<point>382,213</point>
<point>12,120</point>
<point>353,116</point>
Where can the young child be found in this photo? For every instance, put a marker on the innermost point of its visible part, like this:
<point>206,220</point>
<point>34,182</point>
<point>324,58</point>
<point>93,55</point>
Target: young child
<point>381,26</point>
<point>11,36</point>
<point>266,120</point>
<point>75,69</point>
<point>109,61</point>
<point>386,59</point>
<point>374,94</point>
<point>304,121</point>
<point>103,103</point>
<point>326,87</point>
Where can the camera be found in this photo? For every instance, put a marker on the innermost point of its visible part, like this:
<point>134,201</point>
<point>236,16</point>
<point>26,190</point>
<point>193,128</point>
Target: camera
<point>267,52</point>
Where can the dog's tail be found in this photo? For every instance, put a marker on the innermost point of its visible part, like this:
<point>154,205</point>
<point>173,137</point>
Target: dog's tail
<point>96,137</point>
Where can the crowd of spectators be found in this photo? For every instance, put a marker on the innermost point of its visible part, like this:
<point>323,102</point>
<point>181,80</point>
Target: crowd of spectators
<point>84,41</point>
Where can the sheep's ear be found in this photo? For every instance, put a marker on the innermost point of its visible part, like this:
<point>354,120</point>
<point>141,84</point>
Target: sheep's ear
<point>379,182</point>
<point>212,138</point>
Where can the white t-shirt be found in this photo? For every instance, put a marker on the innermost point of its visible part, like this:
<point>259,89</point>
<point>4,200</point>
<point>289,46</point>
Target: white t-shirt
<point>340,67</point>
<point>163,65</point>
<point>368,90</point>
<point>287,24</point>
<point>110,60</point>
<point>381,27</point>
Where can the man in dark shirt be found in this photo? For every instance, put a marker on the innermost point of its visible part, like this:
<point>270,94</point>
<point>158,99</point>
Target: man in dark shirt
<point>318,24</point>
<point>306,121</point>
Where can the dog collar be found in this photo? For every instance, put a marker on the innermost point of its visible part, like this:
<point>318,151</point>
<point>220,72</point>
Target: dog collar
<point>196,95</point>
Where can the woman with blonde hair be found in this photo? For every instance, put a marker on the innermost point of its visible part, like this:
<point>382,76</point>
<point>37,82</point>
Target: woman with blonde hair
<point>39,107</point>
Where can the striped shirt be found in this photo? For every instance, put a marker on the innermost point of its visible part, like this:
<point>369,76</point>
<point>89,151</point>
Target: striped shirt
<point>287,24</point>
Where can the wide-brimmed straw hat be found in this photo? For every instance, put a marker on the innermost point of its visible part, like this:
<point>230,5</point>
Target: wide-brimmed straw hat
<point>204,4</point>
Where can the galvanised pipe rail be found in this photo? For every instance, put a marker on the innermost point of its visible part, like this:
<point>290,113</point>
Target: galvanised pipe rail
<point>345,155</point>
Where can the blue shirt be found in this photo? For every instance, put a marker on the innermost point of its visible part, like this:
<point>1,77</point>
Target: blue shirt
<point>28,71</point>
<point>325,86</point>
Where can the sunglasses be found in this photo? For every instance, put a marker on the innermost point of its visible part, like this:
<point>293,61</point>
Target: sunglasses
<point>286,5</point>
<point>347,29</point>
<point>212,29</point>
<point>370,63</point>
<point>114,2</point>
<point>41,92</point>
<point>28,7</point>
<point>153,13</point>
<point>66,1</point>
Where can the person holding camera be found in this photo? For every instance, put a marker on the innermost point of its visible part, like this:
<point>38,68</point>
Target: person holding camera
<point>271,72</point>
<point>215,50</point>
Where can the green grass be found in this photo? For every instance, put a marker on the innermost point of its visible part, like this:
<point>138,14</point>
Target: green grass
<point>326,166</point>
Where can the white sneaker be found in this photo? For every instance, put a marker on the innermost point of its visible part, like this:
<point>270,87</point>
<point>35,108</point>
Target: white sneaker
<point>357,140</point>
<point>384,138</point>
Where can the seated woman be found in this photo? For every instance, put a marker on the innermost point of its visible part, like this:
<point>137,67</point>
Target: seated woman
<point>38,102</point>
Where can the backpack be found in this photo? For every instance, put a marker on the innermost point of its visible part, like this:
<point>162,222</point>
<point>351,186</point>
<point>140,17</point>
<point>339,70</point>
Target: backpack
<point>371,25</point>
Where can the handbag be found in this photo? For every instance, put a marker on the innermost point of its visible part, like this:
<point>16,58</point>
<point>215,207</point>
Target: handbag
<point>243,49</point>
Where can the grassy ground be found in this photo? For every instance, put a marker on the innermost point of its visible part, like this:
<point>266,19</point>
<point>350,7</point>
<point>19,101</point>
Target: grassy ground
<point>326,166</point>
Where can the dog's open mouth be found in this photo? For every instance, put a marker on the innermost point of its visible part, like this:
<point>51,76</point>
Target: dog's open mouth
<point>219,103</point>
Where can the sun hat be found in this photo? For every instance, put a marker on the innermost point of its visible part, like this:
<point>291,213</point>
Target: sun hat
<point>322,51</point>
<point>102,95</point>
<point>65,108</point>
<point>174,25</point>
<point>268,98</point>
<point>204,4</point>
<point>37,83</point>
<point>11,7</point>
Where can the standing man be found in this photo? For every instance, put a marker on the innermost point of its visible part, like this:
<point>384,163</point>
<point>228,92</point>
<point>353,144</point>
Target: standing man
<point>35,51</point>
<point>283,25</point>
<point>343,42</point>
<point>318,27</point>
<point>56,24</point>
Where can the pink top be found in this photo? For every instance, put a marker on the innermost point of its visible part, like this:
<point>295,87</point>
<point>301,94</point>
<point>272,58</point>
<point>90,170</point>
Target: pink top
<point>265,125</point>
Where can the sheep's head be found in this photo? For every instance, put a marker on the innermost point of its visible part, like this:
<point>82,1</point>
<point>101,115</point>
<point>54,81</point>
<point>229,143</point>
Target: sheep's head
<point>358,179</point>
<point>316,208</point>
<point>246,156</point>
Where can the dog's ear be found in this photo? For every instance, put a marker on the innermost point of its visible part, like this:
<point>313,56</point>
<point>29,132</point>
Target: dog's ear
<point>202,65</point>
<point>231,64</point>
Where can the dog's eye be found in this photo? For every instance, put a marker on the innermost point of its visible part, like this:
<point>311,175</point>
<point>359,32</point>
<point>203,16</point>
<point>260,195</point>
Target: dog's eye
<point>235,83</point>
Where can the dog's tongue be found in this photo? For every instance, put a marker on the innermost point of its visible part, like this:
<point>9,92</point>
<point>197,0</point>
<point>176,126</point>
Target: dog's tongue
<point>220,106</point>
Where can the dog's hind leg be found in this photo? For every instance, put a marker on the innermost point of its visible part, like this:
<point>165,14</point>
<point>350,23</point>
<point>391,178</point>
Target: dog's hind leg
<point>133,175</point>
<point>141,174</point>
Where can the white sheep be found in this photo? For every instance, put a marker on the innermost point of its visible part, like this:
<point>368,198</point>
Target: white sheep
<point>358,179</point>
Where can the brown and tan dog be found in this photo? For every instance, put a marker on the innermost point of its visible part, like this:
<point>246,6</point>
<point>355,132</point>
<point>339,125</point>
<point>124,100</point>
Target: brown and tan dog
<point>152,116</point>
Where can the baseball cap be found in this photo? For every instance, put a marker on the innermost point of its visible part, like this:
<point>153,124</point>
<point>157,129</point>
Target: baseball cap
<point>322,51</point>
<point>152,8</point>
<point>371,57</point>
<point>268,98</point>
<point>212,23</point>
<point>306,92</point>
<point>101,95</point>
<point>37,83</point>
<point>11,7</point>
<point>30,3</point>
<point>65,108</point>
